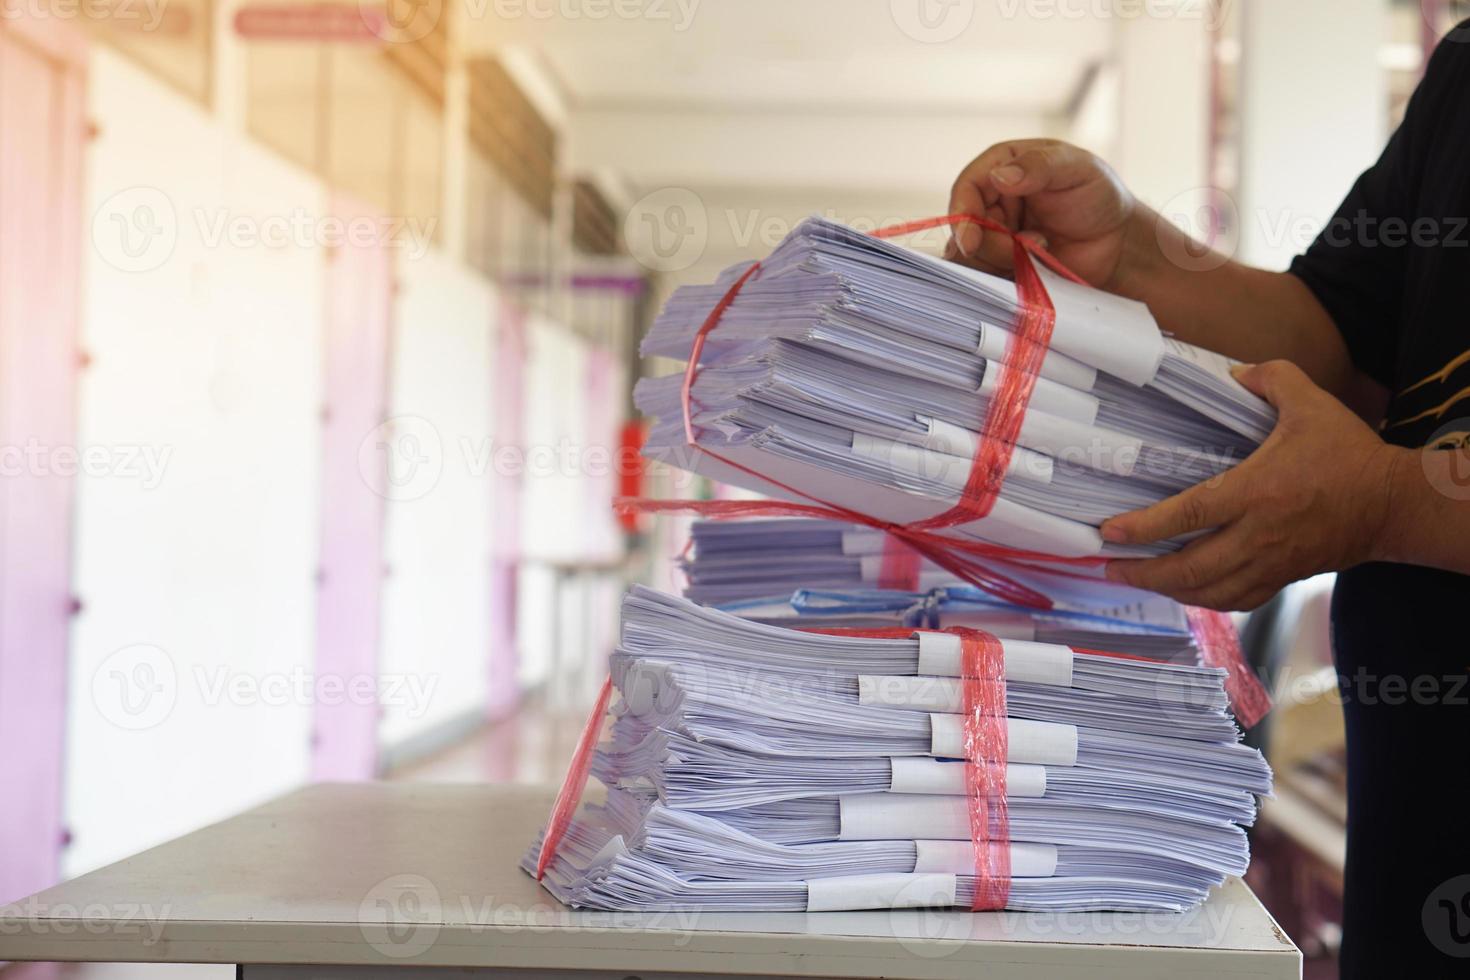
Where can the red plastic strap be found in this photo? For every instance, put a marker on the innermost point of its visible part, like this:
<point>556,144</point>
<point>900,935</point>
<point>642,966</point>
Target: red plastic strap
<point>1025,350</point>
<point>900,567</point>
<point>1219,646</point>
<point>986,742</point>
<point>983,682</point>
<point>575,782</point>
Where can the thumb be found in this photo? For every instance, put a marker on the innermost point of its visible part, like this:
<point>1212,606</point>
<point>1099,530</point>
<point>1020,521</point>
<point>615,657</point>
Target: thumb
<point>1281,383</point>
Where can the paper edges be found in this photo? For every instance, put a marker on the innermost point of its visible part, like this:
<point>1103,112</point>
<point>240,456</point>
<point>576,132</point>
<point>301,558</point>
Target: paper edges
<point>994,344</point>
<point>932,777</point>
<point>934,882</point>
<point>1040,743</point>
<point>1026,662</point>
<point>852,893</point>
<point>958,857</point>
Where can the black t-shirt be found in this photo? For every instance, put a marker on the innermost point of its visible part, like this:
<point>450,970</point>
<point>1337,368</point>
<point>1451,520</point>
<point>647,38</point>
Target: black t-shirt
<point>1393,271</point>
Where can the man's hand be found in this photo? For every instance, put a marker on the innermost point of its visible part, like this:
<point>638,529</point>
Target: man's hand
<point>1314,497</point>
<point>1059,195</point>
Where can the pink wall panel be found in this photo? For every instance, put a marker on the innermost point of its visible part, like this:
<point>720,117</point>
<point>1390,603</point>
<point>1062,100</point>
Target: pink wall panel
<point>355,441</point>
<point>42,128</point>
<point>508,381</point>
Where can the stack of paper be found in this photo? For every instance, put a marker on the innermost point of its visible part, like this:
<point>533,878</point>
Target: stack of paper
<point>815,573</point>
<point>756,767</point>
<point>858,372</point>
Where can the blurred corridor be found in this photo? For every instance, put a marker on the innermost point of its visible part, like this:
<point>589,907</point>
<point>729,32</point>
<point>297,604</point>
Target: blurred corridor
<point>318,324</point>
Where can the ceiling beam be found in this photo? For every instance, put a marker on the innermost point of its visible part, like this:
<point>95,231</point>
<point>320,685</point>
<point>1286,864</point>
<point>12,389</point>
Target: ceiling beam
<point>776,28</point>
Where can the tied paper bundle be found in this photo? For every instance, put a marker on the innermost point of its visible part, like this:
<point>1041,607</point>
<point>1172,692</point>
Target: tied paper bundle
<point>815,573</point>
<point>752,767</point>
<point>852,372</point>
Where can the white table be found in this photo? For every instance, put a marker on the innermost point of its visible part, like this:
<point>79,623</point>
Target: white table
<point>335,881</point>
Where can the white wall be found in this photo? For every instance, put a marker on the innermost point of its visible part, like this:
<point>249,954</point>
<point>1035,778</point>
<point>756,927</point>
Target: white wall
<point>436,628</point>
<point>208,357</point>
<point>1163,96</point>
<point>1314,108</point>
<point>554,510</point>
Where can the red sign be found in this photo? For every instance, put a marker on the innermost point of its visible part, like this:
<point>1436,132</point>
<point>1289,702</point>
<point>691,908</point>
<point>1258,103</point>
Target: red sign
<point>312,22</point>
<point>631,467</point>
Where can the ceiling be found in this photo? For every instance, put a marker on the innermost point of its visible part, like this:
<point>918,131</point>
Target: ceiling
<point>738,117</point>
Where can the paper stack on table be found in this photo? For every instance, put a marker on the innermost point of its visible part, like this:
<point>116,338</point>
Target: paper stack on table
<point>859,372</point>
<point>756,767</point>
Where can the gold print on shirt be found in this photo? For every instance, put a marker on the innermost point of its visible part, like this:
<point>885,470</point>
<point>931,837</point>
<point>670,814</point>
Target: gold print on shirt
<point>1438,377</point>
<point>1443,374</point>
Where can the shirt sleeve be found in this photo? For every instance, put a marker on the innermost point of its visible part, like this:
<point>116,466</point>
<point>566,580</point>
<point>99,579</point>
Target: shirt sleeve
<point>1356,266</point>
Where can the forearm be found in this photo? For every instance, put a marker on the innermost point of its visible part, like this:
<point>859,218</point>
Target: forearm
<point>1213,302</point>
<point>1428,520</point>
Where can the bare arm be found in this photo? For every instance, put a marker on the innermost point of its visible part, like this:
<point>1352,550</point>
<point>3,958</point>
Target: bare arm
<point>1249,314</point>
<point>1429,510</point>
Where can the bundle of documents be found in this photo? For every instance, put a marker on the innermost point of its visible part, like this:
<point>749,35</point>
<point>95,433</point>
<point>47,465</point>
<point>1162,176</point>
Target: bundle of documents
<point>764,755</point>
<point>755,767</point>
<point>814,573</point>
<point>857,372</point>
